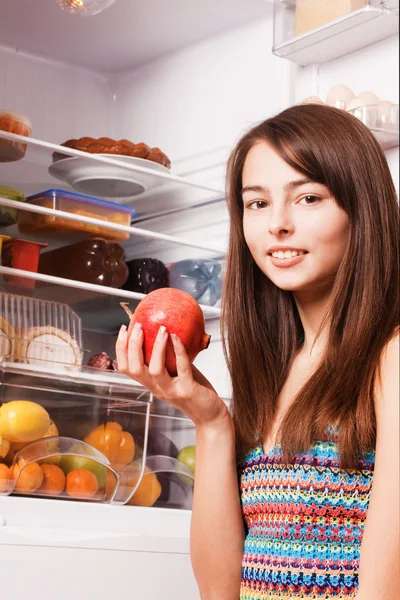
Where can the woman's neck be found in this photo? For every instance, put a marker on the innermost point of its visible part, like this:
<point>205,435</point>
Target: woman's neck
<point>313,306</point>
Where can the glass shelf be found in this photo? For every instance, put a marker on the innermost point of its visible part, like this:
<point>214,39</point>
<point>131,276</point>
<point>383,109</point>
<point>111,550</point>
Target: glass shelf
<point>98,306</point>
<point>154,191</point>
<point>73,379</point>
<point>332,38</point>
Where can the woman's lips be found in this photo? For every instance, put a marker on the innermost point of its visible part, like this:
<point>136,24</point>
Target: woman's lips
<point>285,263</point>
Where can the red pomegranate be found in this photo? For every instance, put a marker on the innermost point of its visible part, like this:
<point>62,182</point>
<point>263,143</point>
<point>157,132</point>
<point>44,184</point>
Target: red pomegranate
<point>180,314</point>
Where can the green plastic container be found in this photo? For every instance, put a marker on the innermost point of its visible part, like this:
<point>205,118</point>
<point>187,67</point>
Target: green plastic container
<point>9,216</point>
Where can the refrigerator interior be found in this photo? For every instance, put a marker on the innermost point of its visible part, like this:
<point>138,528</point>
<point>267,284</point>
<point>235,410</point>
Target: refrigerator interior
<point>188,79</point>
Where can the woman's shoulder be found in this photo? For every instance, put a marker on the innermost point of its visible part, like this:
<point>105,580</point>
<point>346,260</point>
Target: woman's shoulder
<point>387,381</point>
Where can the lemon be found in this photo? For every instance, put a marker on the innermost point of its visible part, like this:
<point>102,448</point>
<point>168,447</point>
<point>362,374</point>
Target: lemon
<point>23,421</point>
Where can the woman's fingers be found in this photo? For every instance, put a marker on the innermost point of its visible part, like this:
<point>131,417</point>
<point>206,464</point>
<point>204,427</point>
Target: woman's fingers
<point>183,364</point>
<point>121,349</point>
<point>157,369</point>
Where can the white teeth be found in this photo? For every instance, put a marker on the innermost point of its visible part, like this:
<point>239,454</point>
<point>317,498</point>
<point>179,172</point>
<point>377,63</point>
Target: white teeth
<point>287,253</point>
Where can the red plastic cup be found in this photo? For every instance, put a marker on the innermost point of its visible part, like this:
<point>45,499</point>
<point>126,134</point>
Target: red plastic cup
<point>24,255</point>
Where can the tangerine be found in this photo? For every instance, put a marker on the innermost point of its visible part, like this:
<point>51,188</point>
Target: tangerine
<point>81,483</point>
<point>29,477</point>
<point>53,480</point>
<point>4,478</point>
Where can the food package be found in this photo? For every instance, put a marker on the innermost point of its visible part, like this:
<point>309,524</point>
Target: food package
<point>13,123</point>
<point>43,345</point>
<point>23,255</point>
<point>8,216</point>
<point>38,331</point>
<point>7,339</point>
<point>94,261</point>
<point>311,14</point>
<point>199,278</point>
<point>77,204</point>
<point>146,275</point>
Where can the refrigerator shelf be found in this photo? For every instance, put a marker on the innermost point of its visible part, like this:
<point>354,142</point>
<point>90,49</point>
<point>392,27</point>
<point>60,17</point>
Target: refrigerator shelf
<point>75,379</point>
<point>97,305</point>
<point>135,231</point>
<point>168,191</point>
<point>374,22</point>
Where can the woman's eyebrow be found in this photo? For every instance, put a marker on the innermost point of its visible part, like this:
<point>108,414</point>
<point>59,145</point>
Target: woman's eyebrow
<point>256,188</point>
<point>291,185</point>
<point>297,183</point>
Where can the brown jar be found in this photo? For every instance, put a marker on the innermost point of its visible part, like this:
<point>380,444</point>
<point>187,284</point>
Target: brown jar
<point>95,261</point>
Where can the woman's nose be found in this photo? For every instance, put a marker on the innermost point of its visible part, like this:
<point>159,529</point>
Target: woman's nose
<point>280,223</point>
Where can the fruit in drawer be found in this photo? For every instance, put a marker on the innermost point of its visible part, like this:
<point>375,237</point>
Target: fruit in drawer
<point>4,447</point>
<point>187,456</point>
<point>28,478</point>
<point>70,463</point>
<point>15,447</point>
<point>23,421</point>
<point>149,489</point>
<point>180,314</point>
<point>5,476</point>
<point>117,445</point>
<point>53,480</point>
<point>81,483</point>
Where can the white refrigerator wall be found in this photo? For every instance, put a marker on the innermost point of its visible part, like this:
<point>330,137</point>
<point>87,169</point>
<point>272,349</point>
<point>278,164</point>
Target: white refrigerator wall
<point>202,98</point>
<point>62,100</point>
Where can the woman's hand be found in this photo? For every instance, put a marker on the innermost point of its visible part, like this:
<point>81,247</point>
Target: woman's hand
<point>190,391</point>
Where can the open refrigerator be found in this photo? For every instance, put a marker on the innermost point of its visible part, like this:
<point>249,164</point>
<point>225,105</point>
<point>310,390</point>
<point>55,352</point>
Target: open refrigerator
<point>96,475</point>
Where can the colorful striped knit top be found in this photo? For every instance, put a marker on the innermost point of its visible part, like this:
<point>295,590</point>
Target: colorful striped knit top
<point>305,523</point>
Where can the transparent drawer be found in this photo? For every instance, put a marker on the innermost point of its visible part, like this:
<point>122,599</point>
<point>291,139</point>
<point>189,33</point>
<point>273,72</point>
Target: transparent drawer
<point>84,435</point>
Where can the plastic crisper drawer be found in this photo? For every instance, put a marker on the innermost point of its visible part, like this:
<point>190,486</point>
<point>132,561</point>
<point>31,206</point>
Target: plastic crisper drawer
<point>33,223</point>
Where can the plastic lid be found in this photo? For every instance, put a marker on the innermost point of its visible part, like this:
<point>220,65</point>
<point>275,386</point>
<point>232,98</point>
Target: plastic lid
<point>17,117</point>
<point>60,194</point>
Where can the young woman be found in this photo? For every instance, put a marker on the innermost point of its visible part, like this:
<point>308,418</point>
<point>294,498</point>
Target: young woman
<point>310,318</point>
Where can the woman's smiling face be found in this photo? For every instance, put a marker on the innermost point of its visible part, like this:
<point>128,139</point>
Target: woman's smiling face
<point>294,228</point>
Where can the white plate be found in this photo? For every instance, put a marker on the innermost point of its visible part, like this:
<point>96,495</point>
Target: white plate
<point>98,179</point>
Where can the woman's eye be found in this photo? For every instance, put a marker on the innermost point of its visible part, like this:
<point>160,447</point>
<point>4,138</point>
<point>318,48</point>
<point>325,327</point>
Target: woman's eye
<point>257,205</point>
<point>309,200</point>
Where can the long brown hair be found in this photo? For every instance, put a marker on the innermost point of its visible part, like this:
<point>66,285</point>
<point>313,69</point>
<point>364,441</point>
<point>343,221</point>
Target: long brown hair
<point>261,326</point>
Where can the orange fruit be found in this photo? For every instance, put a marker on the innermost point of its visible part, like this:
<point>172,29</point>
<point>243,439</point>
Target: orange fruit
<point>5,476</point>
<point>29,478</point>
<point>149,489</point>
<point>53,480</point>
<point>81,483</point>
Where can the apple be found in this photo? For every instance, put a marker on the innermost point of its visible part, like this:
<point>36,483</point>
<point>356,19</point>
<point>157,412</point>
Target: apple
<point>187,456</point>
<point>71,462</point>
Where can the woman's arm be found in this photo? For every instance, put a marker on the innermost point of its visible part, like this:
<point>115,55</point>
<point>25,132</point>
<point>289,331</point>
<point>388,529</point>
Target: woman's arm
<point>379,563</point>
<point>217,533</point>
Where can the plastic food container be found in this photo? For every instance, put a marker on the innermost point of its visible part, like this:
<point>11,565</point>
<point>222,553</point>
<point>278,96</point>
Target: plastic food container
<point>24,255</point>
<point>39,332</point>
<point>94,261</point>
<point>87,206</point>
<point>9,216</point>
<point>13,123</point>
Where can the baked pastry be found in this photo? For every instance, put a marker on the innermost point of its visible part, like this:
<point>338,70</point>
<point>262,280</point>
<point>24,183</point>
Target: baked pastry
<point>106,145</point>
